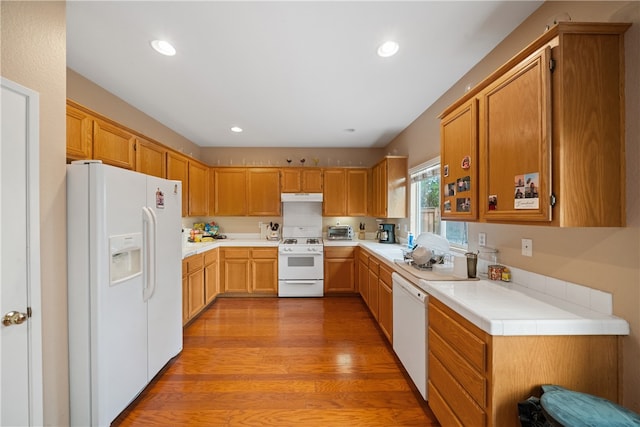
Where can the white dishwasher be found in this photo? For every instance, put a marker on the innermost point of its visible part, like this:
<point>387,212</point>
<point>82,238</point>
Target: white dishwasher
<point>410,330</point>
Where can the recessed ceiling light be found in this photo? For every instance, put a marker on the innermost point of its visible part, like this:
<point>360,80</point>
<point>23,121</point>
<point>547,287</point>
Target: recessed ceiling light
<point>388,48</point>
<point>163,47</point>
<point>236,129</point>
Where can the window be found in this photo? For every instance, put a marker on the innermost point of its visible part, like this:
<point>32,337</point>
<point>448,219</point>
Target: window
<point>425,206</point>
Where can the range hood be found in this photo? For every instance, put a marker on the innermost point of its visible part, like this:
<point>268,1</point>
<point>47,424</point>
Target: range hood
<point>301,197</point>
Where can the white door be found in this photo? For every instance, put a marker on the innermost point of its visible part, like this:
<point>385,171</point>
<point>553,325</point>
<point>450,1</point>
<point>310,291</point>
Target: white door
<point>20,310</point>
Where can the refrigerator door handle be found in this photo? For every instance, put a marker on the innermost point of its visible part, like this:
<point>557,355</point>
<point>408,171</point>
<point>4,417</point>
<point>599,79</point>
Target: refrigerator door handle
<point>150,228</point>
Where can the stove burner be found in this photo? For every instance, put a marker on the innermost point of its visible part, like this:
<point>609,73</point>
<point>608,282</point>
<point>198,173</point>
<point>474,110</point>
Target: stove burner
<point>290,241</point>
<point>313,241</point>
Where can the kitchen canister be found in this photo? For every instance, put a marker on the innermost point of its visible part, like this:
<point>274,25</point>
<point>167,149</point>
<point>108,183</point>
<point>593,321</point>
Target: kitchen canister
<point>495,272</point>
<point>472,264</point>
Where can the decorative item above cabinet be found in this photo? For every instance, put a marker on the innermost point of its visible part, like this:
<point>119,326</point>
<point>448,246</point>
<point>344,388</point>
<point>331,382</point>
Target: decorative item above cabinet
<point>541,140</point>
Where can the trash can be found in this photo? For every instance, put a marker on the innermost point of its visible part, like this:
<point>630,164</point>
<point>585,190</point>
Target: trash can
<point>562,407</point>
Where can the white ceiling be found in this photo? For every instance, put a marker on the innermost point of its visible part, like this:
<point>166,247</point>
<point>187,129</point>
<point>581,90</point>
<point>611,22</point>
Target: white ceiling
<point>292,74</point>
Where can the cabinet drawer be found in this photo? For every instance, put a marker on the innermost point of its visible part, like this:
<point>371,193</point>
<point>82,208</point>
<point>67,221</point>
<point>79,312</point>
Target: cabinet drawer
<point>339,252</point>
<point>264,253</point>
<point>363,257</point>
<point>374,265</point>
<point>462,405</point>
<point>472,348</point>
<point>470,379</point>
<point>385,275</point>
<point>229,253</point>
<point>194,263</point>
<point>210,256</point>
<point>440,408</point>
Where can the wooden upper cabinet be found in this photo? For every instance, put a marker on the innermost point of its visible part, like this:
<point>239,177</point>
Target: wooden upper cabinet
<point>113,145</point>
<point>178,169</point>
<point>459,163</point>
<point>550,131</point>
<point>230,188</point>
<point>389,188</point>
<point>515,143</point>
<point>335,192</point>
<point>263,192</point>
<point>291,180</point>
<point>589,171</point>
<point>357,192</point>
<point>79,134</point>
<point>301,180</point>
<point>311,180</point>
<point>198,189</point>
<point>151,158</point>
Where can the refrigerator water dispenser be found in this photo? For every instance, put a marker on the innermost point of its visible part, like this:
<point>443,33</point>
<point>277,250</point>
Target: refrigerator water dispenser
<point>126,257</point>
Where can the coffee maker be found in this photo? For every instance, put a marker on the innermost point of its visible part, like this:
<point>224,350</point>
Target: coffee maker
<point>386,233</point>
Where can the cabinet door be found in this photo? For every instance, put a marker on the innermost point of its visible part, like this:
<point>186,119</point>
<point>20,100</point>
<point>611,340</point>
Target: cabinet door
<point>515,143</point>
<point>373,287</point>
<point>291,180</point>
<point>385,302</point>
<point>263,192</point>
<point>335,194</point>
<point>196,292</point>
<point>178,169</point>
<point>235,272</point>
<point>230,193</point>
<point>264,271</point>
<point>339,269</point>
<point>113,145</point>
<point>385,310</point>
<point>459,163</point>
<point>379,190</point>
<point>151,159</point>
<point>185,300</point>
<point>211,276</point>
<point>198,189</point>
<point>311,180</point>
<point>363,277</point>
<point>357,192</point>
<point>79,134</point>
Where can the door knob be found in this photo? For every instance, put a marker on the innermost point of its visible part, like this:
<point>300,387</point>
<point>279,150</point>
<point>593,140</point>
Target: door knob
<point>13,318</point>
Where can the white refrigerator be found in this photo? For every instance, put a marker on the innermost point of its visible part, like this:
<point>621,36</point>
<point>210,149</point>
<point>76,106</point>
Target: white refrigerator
<point>124,286</point>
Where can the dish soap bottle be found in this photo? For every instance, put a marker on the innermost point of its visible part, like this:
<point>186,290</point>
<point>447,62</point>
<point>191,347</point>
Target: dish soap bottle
<point>410,239</point>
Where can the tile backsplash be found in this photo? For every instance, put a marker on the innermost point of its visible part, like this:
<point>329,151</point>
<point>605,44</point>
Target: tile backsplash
<point>555,291</point>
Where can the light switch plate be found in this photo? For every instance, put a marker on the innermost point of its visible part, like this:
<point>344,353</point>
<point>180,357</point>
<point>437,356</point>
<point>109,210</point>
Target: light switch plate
<point>527,247</point>
<point>482,239</point>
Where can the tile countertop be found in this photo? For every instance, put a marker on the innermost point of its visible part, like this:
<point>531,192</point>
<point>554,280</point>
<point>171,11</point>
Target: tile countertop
<point>498,309</point>
<point>189,249</point>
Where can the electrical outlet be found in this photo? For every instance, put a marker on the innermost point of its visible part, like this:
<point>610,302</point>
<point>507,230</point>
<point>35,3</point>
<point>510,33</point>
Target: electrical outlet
<point>482,239</point>
<point>527,247</point>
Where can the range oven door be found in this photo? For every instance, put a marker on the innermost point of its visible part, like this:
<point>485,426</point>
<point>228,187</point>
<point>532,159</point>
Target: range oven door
<point>304,266</point>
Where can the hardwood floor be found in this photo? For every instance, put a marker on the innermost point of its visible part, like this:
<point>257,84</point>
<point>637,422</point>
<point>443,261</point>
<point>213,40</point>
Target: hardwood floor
<point>282,362</point>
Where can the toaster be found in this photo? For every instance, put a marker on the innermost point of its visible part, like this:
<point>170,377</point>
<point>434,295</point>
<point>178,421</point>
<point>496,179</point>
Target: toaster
<point>340,232</point>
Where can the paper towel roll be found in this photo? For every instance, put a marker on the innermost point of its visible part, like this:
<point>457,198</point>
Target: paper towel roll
<point>460,266</point>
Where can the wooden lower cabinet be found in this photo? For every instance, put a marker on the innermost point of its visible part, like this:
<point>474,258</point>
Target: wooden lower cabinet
<point>476,379</point>
<point>385,302</point>
<point>249,270</point>
<point>339,269</point>
<point>372,302</point>
<point>363,275</point>
<point>374,285</point>
<point>211,276</point>
<point>264,270</point>
<point>193,299</point>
